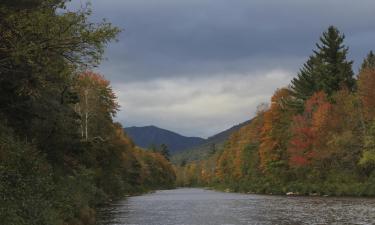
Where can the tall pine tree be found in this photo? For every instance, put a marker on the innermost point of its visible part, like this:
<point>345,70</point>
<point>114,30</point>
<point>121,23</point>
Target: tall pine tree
<point>336,71</point>
<point>326,70</point>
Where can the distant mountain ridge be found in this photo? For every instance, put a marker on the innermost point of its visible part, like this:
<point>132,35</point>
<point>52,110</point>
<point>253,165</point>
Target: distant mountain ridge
<point>203,150</point>
<point>147,136</point>
<point>182,148</point>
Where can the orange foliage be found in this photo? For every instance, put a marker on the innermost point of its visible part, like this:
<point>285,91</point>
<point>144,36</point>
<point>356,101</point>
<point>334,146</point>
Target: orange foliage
<point>97,88</point>
<point>97,104</point>
<point>230,164</point>
<point>276,122</point>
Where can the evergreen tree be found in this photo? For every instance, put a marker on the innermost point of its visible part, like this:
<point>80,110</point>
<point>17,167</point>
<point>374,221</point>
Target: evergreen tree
<point>164,151</point>
<point>304,84</point>
<point>212,149</point>
<point>335,71</point>
<point>368,62</point>
<point>327,69</point>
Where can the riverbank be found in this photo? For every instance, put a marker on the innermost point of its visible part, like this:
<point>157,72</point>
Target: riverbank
<point>202,206</point>
<point>325,189</point>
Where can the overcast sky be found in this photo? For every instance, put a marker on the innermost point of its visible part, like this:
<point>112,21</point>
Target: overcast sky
<point>198,67</point>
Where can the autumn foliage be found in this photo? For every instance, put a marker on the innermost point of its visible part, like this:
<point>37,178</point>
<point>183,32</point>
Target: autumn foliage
<point>308,130</point>
<point>274,134</point>
<point>316,137</point>
<point>366,87</point>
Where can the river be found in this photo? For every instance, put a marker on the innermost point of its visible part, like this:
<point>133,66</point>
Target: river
<point>195,206</point>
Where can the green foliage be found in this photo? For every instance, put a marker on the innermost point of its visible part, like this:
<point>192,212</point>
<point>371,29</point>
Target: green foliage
<point>335,71</point>
<point>369,62</point>
<point>52,169</point>
<point>327,70</point>
<point>251,157</point>
<point>368,157</point>
<point>26,185</point>
<point>40,51</point>
<point>304,84</point>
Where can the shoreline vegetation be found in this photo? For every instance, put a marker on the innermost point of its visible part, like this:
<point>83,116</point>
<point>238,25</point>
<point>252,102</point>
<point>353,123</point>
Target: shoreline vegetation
<point>316,137</point>
<point>61,153</point>
<point>288,194</point>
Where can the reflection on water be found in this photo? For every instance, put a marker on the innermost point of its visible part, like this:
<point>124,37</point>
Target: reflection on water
<point>193,206</point>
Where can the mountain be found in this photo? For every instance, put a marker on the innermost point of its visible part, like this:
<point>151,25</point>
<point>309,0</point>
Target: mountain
<point>147,136</point>
<point>211,144</point>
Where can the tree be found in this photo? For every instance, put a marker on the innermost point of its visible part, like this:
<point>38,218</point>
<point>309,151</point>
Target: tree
<point>212,149</point>
<point>304,85</point>
<point>275,134</point>
<point>326,70</point>
<point>369,62</point>
<point>366,87</point>
<point>40,50</point>
<point>336,71</point>
<point>368,156</point>
<point>97,103</point>
<point>48,174</point>
<point>164,151</point>
<point>307,134</point>
<point>26,183</point>
<point>342,133</point>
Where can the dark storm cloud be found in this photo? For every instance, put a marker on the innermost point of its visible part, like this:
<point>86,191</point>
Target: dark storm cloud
<point>195,37</point>
<point>199,66</point>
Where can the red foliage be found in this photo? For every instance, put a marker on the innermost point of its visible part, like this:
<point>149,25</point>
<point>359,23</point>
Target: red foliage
<point>307,131</point>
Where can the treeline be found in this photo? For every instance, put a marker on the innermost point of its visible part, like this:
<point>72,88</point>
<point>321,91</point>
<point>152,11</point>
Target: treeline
<point>61,154</point>
<point>316,137</point>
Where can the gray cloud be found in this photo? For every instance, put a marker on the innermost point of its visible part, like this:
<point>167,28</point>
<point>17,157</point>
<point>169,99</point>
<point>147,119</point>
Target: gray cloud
<point>190,42</point>
<point>198,106</point>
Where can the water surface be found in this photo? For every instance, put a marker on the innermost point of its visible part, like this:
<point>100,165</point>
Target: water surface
<point>194,206</point>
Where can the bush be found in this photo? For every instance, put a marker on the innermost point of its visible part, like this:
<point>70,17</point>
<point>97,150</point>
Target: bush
<point>26,185</point>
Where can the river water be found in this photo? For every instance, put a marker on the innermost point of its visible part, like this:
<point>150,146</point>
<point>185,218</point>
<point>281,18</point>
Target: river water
<point>194,206</point>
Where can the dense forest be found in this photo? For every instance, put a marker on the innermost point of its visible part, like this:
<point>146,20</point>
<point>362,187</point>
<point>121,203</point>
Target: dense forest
<point>61,153</point>
<point>316,137</point>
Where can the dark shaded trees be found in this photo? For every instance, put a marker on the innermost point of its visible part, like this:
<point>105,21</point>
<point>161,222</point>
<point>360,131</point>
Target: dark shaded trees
<point>369,62</point>
<point>56,164</point>
<point>164,151</point>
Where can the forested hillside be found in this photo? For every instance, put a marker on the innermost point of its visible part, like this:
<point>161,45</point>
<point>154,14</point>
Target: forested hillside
<point>207,148</point>
<point>316,137</point>
<point>61,154</point>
